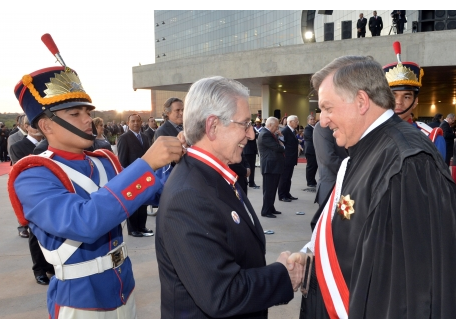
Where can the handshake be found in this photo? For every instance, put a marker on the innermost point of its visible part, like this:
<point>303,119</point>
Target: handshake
<point>299,266</point>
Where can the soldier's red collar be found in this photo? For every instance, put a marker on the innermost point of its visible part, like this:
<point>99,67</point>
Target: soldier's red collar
<point>210,160</point>
<point>67,155</point>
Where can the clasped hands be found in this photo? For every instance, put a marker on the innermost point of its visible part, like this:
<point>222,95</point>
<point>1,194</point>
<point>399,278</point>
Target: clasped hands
<point>295,266</point>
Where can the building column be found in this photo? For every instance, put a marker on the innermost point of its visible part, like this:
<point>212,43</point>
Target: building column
<point>265,101</point>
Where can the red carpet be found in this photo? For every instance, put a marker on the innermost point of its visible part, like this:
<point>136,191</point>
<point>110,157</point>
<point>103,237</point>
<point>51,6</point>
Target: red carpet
<point>5,168</point>
<point>302,160</point>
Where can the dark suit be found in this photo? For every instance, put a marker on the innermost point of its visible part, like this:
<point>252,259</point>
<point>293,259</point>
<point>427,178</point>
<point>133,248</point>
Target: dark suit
<point>375,25</point>
<point>399,15</point>
<point>329,157</point>
<point>209,265</point>
<point>166,129</point>
<point>309,151</point>
<point>291,159</point>
<point>361,25</point>
<point>41,147</point>
<point>129,148</point>
<point>449,136</point>
<point>250,152</point>
<point>241,170</point>
<point>272,160</point>
<point>150,135</point>
<point>19,150</point>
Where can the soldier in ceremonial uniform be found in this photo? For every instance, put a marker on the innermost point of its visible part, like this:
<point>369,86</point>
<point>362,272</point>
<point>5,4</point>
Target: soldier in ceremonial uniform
<point>385,243</point>
<point>73,201</point>
<point>404,79</point>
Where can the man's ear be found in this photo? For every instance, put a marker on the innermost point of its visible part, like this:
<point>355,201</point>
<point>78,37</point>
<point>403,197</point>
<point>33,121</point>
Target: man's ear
<point>211,126</point>
<point>362,101</point>
<point>44,125</point>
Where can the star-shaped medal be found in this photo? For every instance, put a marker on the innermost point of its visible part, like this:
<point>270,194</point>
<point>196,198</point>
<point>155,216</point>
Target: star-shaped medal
<point>345,207</point>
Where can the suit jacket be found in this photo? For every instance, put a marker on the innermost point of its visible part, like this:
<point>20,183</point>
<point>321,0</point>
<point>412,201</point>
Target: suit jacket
<point>16,137</point>
<point>21,149</point>
<point>308,140</point>
<point>166,129</point>
<point>251,147</point>
<point>375,24</point>
<point>241,170</point>
<point>272,158</point>
<point>129,148</point>
<point>150,135</point>
<point>361,24</point>
<point>211,266</point>
<point>401,15</point>
<point>291,146</point>
<point>329,157</point>
<point>448,133</point>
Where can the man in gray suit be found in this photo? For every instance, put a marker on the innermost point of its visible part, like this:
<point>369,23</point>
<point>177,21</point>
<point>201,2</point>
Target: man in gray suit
<point>329,157</point>
<point>272,160</point>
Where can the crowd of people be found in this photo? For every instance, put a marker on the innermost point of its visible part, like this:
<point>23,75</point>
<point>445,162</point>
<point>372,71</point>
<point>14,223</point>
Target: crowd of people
<point>383,239</point>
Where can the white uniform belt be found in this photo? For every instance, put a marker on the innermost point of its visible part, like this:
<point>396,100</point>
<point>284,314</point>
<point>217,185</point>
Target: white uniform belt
<point>113,259</point>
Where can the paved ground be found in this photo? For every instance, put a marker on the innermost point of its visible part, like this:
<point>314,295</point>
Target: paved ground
<point>22,297</point>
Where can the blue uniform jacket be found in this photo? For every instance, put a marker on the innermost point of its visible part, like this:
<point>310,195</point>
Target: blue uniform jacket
<point>55,214</point>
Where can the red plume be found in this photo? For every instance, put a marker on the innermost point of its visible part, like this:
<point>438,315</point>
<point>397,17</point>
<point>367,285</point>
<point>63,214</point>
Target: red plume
<point>397,47</point>
<point>50,44</point>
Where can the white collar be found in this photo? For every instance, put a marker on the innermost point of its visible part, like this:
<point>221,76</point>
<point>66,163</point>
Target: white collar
<point>382,118</point>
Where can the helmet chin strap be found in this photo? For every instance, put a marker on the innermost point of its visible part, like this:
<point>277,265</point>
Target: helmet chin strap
<point>71,127</point>
<point>411,105</point>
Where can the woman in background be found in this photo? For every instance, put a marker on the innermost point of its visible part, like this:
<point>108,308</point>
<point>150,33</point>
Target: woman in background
<point>100,141</point>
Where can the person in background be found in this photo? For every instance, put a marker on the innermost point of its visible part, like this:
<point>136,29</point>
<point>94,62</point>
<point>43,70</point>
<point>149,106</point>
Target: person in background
<point>100,141</point>
<point>375,24</point>
<point>405,81</point>
<point>436,121</point>
<point>361,26</point>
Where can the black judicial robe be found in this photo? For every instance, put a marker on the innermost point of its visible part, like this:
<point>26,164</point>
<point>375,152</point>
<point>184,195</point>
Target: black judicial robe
<point>398,251</point>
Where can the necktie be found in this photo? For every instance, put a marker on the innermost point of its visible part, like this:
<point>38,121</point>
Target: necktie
<point>179,128</point>
<point>139,138</point>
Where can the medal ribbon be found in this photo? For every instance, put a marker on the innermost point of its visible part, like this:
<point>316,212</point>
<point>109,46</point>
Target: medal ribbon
<point>216,164</point>
<point>330,278</point>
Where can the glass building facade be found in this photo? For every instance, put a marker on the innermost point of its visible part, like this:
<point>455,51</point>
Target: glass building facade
<point>180,34</point>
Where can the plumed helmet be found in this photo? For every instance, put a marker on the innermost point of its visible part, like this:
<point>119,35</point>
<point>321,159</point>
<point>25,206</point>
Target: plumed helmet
<point>403,75</point>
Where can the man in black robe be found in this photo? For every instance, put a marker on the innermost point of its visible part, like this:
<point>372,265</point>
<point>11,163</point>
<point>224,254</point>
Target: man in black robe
<point>394,236</point>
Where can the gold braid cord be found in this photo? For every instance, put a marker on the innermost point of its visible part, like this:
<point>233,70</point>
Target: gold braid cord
<point>66,85</point>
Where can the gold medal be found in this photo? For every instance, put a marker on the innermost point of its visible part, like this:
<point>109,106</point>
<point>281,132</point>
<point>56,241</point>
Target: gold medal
<point>345,207</point>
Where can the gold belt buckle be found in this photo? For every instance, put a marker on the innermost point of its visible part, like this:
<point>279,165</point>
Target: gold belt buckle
<point>117,258</point>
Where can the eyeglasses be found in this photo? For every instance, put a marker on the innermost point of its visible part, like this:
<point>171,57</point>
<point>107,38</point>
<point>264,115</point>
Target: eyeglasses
<point>246,125</point>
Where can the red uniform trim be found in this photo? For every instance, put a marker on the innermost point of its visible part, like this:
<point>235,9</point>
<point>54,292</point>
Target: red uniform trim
<point>138,186</point>
<point>38,161</point>
<point>30,162</point>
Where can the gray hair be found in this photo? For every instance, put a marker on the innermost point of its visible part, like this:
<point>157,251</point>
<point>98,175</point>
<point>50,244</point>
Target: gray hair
<point>309,117</point>
<point>292,118</point>
<point>451,115</point>
<point>210,96</point>
<point>354,73</point>
<point>271,120</point>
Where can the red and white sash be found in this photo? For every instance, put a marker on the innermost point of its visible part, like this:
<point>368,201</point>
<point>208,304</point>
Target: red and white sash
<point>330,278</point>
<point>212,161</point>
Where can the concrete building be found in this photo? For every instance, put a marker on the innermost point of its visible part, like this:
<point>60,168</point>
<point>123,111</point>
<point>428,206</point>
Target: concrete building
<point>274,53</point>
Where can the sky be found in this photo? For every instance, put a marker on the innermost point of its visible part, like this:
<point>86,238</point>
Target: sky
<point>101,40</point>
